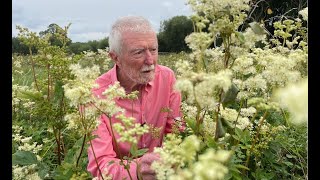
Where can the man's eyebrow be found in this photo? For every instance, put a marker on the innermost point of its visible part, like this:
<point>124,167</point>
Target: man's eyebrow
<point>143,48</point>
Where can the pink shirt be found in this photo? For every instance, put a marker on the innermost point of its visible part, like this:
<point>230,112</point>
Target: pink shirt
<point>155,96</point>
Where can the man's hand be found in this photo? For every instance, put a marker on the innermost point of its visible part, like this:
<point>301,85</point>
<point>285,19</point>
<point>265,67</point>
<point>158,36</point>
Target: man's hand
<point>144,166</point>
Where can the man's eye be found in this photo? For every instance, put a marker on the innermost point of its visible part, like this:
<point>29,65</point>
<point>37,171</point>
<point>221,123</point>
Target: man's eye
<point>153,50</point>
<point>138,52</point>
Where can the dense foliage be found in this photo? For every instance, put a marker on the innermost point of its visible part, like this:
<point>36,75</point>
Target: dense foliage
<point>244,101</point>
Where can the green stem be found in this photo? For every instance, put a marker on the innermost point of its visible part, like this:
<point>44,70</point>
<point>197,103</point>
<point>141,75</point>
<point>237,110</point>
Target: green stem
<point>255,139</point>
<point>95,158</point>
<point>81,150</point>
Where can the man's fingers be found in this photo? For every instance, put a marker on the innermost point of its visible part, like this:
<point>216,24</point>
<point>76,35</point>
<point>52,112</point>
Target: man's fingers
<point>149,158</point>
<point>149,177</point>
<point>145,169</point>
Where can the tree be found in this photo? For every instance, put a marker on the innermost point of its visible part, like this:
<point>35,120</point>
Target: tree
<point>173,32</point>
<point>58,35</point>
<point>78,47</point>
<point>103,43</point>
<point>20,48</point>
<point>93,45</point>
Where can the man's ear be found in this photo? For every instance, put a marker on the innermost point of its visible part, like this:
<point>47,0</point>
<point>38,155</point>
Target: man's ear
<point>114,57</point>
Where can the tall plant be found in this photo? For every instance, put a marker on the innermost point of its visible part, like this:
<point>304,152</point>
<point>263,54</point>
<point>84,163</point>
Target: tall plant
<point>227,90</point>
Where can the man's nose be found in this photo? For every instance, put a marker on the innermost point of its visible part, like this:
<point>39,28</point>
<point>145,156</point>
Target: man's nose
<point>149,58</point>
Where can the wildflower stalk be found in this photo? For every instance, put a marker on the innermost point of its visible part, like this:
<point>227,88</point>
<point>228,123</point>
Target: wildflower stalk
<point>115,142</point>
<point>198,119</point>
<point>255,139</point>
<point>217,117</point>
<point>58,143</point>
<point>236,121</point>
<point>33,71</point>
<point>84,138</point>
<point>95,157</point>
<point>285,117</point>
<point>81,150</point>
<point>117,147</point>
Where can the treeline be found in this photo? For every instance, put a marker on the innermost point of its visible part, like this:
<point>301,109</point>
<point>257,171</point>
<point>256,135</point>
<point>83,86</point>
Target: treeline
<point>171,38</point>
<point>174,30</point>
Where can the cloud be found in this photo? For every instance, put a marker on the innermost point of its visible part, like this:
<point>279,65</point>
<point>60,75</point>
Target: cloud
<point>89,36</point>
<point>90,19</point>
<point>167,4</point>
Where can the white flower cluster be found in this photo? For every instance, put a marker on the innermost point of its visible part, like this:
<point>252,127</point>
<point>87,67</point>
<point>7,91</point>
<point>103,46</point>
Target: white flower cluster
<point>28,172</point>
<point>128,130</point>
<point>304,13</point>
<point>175,153</point>
<point>232,116</point>
<point>294,98</point>
<point>200,88</point>
<point>210,165</point>
<point>25,142</point>
<point>78,91</point>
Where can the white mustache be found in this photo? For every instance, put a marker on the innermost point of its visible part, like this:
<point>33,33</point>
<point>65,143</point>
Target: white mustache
<point>148,68</point>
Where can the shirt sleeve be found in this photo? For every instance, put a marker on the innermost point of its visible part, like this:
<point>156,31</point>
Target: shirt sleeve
<point>102,149</point>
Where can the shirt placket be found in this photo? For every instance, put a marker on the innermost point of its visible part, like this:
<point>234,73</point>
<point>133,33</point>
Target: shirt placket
<point>143,117</point>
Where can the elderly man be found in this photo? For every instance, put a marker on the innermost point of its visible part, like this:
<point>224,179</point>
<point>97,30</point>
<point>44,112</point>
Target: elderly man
<point>133,46</point>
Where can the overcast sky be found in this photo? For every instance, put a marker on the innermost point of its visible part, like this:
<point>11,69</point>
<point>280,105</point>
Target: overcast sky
<point>91,19</point>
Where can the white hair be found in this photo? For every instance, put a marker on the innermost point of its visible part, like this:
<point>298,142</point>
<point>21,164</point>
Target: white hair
<point>127,24</point>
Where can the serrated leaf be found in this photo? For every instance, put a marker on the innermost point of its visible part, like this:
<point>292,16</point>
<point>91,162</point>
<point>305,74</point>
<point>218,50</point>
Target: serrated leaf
<point>30,95</point>
<point>24,158</point>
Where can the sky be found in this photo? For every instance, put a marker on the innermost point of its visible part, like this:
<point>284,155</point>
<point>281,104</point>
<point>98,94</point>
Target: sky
<point>91,19</point>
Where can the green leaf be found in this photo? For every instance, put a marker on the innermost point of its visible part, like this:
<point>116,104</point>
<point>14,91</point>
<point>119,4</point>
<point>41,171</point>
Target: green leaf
<point>243,136</point>
<point>239,166</point>
<point>230,95</point>
<point>58,91</point>
<point>137,153</point>
<point>30,95</point>
<point>290,156</point>
<point>211,143</point>
<point>111,162</point>
<point>141,152</point>
<point>220,132</point>
<point>256,28</point>
<point>240,36</point>
<point>191,123</point>
<point>24,158</point>
<point>288,163</point>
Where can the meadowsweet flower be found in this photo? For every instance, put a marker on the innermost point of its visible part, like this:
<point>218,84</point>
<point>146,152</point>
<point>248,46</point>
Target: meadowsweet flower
<point>244,65</point>
<point>78,91</point>
<point>248,112</point>
<point>25,172</point>
<point>211,165</point>
<point>294,97</point>
<point>304,13</point>
<point>128,130</point>
<point>209,126</point>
